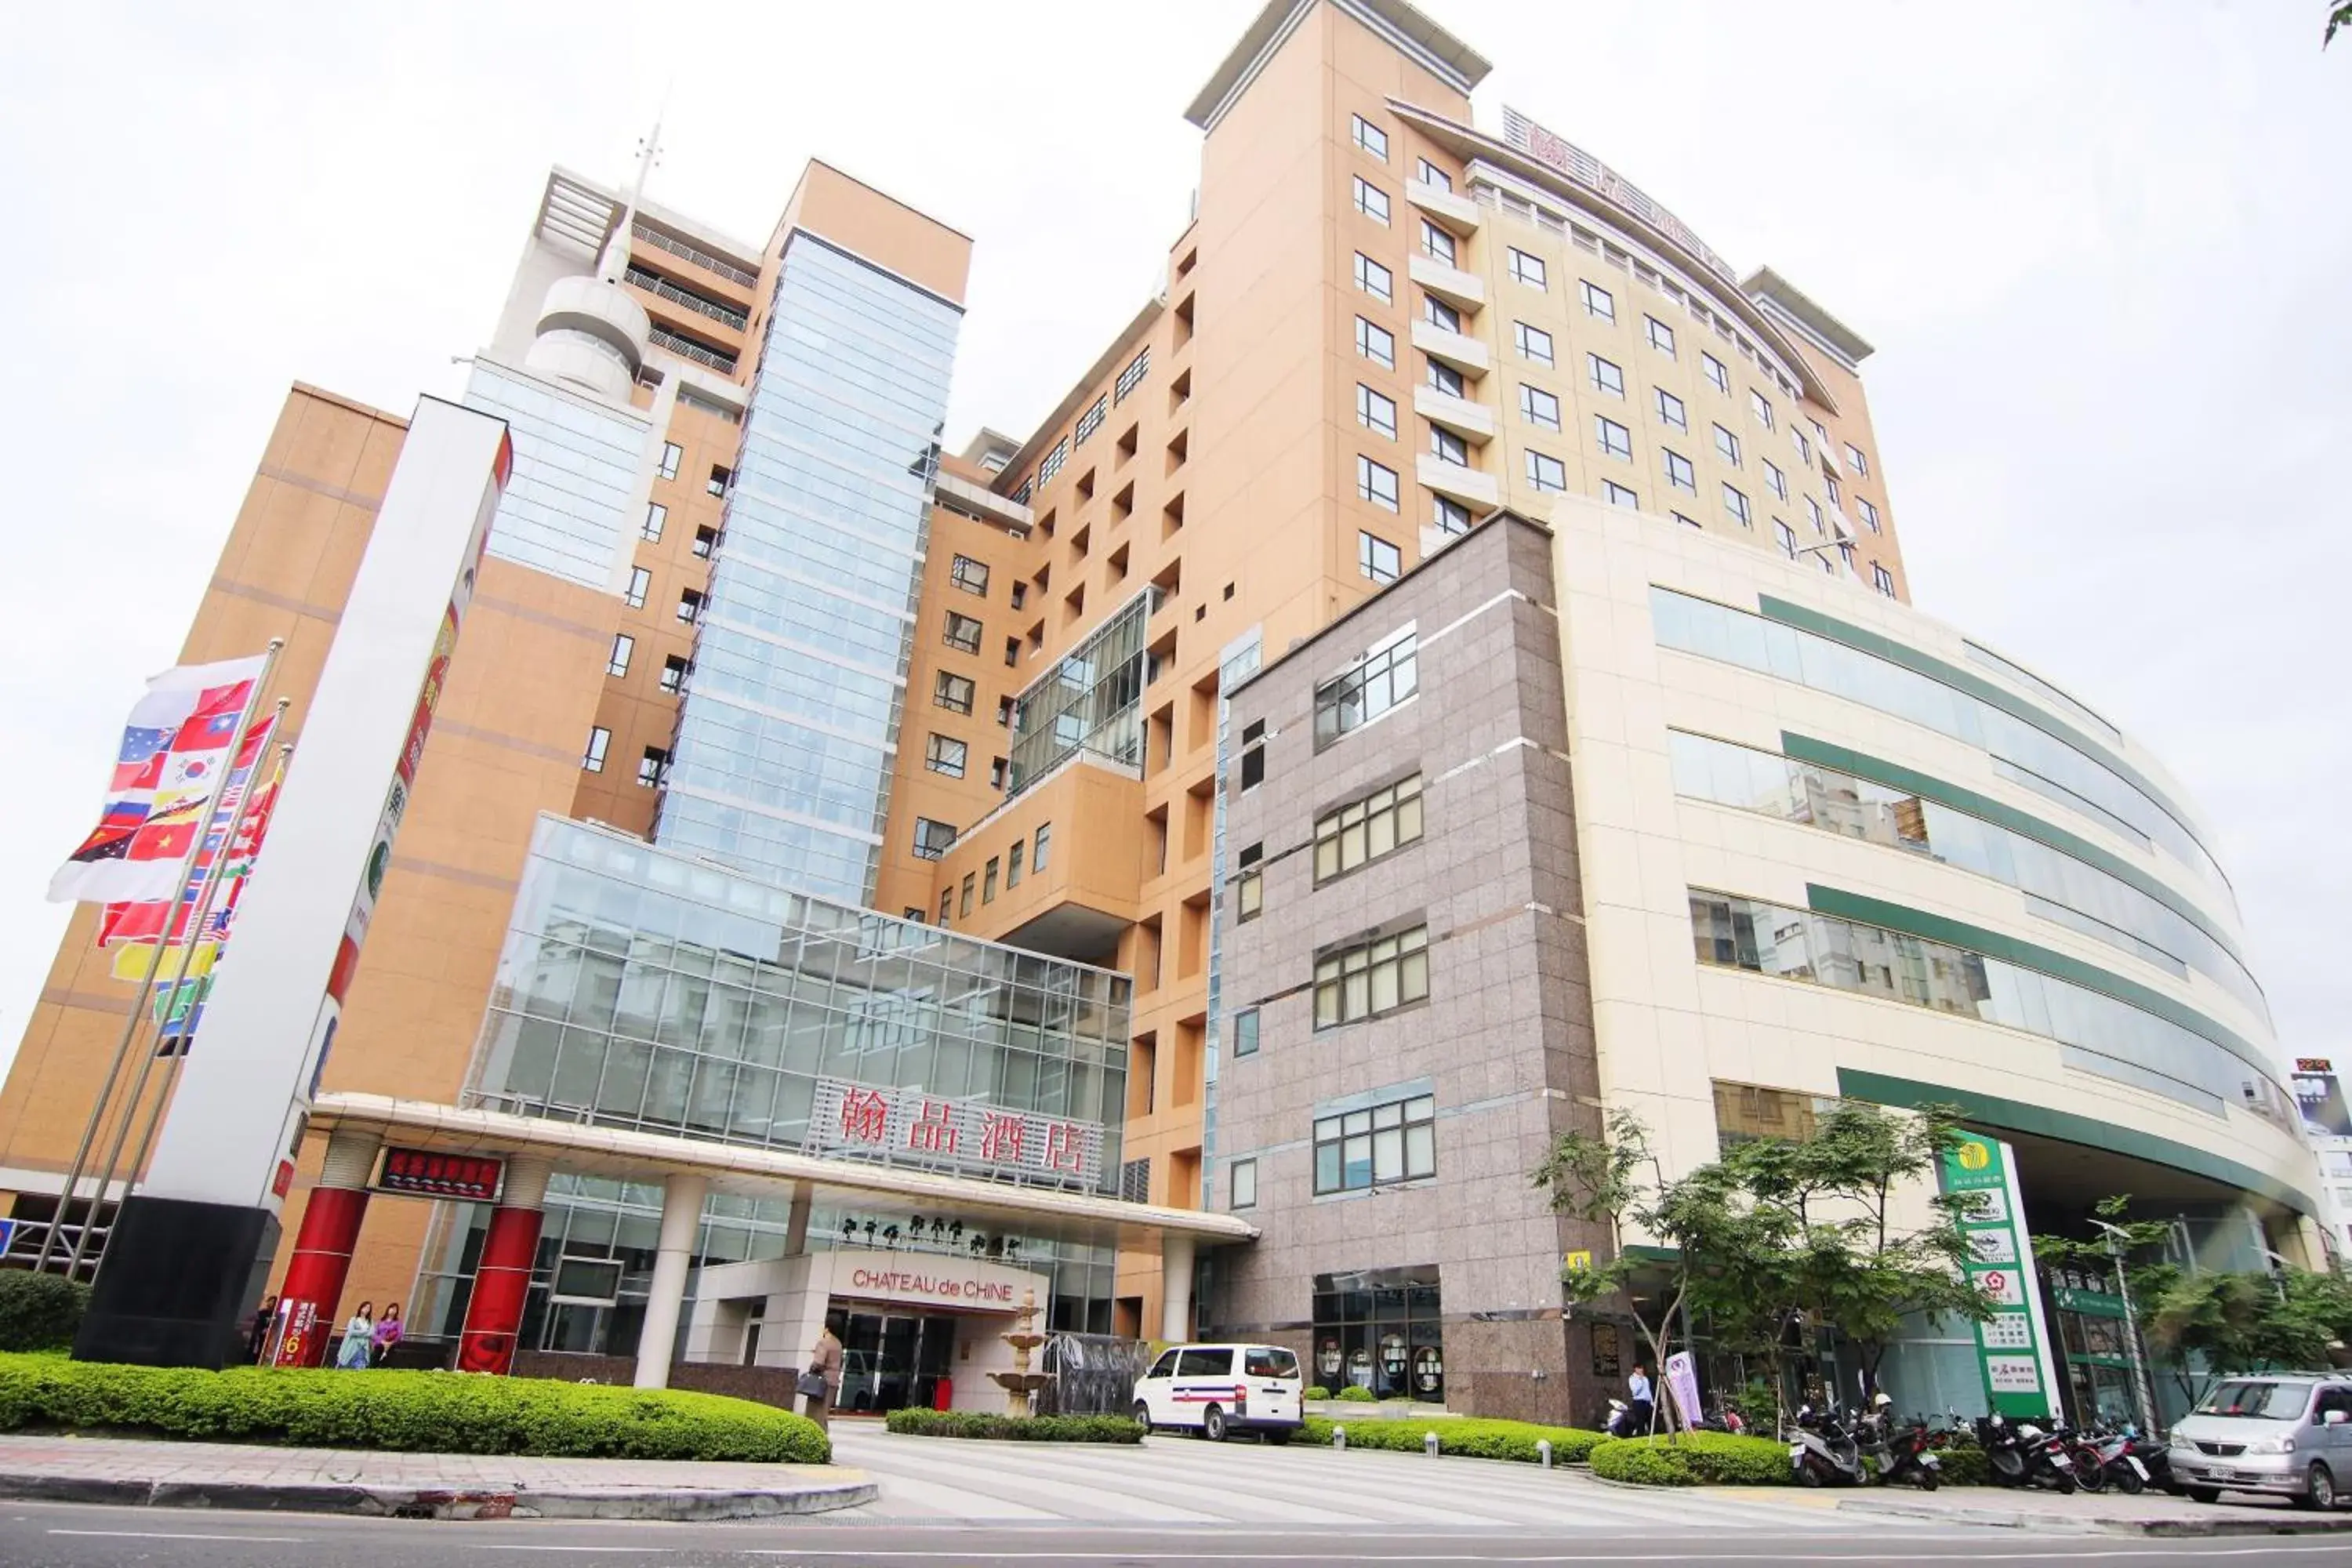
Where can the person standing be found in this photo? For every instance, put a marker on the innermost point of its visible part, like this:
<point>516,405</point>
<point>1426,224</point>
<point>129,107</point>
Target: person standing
<point>822,1378</point>
<point>387,1334</point>
<point>359,1338</point>
<point>1639,1396</point>
<point>264,1317</point>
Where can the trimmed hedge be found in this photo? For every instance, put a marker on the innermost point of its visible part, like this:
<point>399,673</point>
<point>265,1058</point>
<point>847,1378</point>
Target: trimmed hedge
<point>1357,1393</point>
<point>1463,1436</point>
<point>1316,1391</point>
<point>1691,1459</point>
<point>40,1311</point>
<point>420,1411</point>
<point>1030,1429</point>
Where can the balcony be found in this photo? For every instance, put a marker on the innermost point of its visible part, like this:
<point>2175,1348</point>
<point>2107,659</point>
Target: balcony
<point>687,348</point>
<point>1471,421</point>
<point>662,288</point>
<point>1472,486</point>
<point>1466,354</point>
<point>1091,888</point>
<point>1458,212</point>
<point>1464,291</point>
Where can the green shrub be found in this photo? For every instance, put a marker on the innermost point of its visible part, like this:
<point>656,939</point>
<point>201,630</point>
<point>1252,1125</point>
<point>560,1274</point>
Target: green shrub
<point>1356,1394</point>
<point>1029,1428</point>
<point>405,1411</point>
<point>1463,1436</point>
<point>1316,1391</point>
<point>40,1311</point>
<point>1693,1459</point>
<point>1965,1467</point>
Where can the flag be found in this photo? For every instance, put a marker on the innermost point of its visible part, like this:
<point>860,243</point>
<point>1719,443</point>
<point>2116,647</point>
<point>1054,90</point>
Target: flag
<point>170,764</point>
<point>135,925</point>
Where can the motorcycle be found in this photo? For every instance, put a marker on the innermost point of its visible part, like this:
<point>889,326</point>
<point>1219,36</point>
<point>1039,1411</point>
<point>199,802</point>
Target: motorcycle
<point>1902,1454</point>
<point>2023,1454</point>
<point>1623,1422</point>
<point>1821,1452</point>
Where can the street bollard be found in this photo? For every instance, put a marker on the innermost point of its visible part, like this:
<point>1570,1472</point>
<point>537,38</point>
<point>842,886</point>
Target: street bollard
<point>1429,1443</point>
<point>1340,1438</point>
<point>1543,1452</point>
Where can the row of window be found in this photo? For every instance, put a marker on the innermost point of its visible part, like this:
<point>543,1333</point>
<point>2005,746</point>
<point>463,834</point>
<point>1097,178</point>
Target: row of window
<point>624,650</point>
<point>956,902</point>
<point>1388,675</point>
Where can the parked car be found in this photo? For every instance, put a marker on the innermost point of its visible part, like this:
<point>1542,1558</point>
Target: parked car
<point>2283,1433</point>
<point>1216,1389</point>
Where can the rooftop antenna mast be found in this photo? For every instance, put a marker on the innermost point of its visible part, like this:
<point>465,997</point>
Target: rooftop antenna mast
<point>614,261</point>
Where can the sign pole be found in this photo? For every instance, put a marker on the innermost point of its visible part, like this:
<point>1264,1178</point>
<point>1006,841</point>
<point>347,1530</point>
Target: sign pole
<point>139,1006</point>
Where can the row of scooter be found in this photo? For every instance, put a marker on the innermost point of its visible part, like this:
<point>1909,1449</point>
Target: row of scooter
<point>1825,1448</point>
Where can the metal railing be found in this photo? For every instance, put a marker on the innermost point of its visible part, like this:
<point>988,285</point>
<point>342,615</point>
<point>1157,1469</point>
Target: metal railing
<point>688,348</point>
<point>657,284</point>
<point>701,258</point>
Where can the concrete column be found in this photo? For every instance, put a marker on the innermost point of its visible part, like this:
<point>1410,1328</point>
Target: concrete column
<point>502,1275</point>
<point>796,1220</point>
<point>1175,1287</point>
<point>323,1247</point>
<point>682,1220</point>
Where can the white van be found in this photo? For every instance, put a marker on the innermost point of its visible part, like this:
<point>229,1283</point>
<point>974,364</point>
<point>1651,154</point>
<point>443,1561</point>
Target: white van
<point>1216,1389</point>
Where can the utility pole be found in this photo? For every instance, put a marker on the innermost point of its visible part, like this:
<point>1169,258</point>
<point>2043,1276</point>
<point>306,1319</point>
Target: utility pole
<point>2141,1390</point>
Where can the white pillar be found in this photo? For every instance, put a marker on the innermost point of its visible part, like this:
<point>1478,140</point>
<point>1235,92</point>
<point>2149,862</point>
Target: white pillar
<point>1175,1287</point>
<point>682,1198</point>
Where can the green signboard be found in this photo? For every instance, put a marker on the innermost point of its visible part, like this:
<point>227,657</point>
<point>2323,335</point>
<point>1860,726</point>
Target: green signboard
<point>2013,1349</point>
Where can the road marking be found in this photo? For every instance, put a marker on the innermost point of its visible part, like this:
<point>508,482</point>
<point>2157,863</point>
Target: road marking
<point>640,1550</point>
<point>1668,1554</point>
<point>173,1535</point>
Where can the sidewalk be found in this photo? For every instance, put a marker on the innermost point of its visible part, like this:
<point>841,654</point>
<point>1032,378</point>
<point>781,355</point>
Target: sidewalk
<point>414,1486</point>
<point>2109,1513</point>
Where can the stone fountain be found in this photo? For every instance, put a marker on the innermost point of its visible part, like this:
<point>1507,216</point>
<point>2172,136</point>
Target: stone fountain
<point>1021,1385</point>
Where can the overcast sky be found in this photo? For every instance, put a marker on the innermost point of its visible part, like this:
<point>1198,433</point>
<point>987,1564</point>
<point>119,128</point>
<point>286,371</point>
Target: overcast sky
<point>2103,251</point>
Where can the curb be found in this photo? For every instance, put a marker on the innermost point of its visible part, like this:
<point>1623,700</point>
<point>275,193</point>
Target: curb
<point>415,1502</point>
<point>2219,1525</point>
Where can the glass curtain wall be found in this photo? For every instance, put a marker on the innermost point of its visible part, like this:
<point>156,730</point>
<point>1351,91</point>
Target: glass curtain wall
<point>791,712</point>
<point>1091,700</point>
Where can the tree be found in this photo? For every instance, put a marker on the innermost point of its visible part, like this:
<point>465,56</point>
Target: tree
<point>2339,15</point>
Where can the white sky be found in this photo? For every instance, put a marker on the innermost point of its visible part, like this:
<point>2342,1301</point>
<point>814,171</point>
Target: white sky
<point>2103,249</point>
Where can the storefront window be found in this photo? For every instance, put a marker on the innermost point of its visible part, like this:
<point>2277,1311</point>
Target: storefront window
<point>1380,1329</point>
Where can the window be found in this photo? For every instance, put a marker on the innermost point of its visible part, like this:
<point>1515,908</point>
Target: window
<point>1431,175</point>
<point>1774,479</point>
<point>1444,378</point>
<point>1804,448</point>
<point>1245,1195</point>
<point>1377,559</point>
<point>1449,516</point>
<point>942,755</point>
<point>1726,445</point>
<point>1598,302</point>
<point>721,478</point>
<point>963,633</point>
<point>932,839</point>
<point>1715,373</point>
<point>1787,536</point>
<point>1364,830</point>
<point>1829,482</point>
<point>1252,755</point>
<point>1372,138</point>
<point>1882,579</point>
<point>1436,243</point>
<point>1662,336</point>
<point>963,896</point>
<point>1448,447</point>
<point>1370,978</point>
<point>599,740</point>
<point>1440,314</point>
<point>1606,375</point>
<point>1761,407</point>
<point>988,881</point>
<point>1736,503</point>
<point>1856,461</point>
<point>1533,342</point>
<point>1546,473</point>
<point>1051,463</point>
<point>1616,494</point>
<point>656,518</point>
<point>1670,410</point>
<point>1005,712</point>
<point>1376,412</point>
<point>1527,270</point>
<point>970,575</point>
<point>1012,858</point>
<point>1045,841</point>
<point>1869,514</point>
<point>649,767</point>
<point>1813,514</point>
<point>1249,887</point>
<point>1679,472</point>
<point>1132,376</point>
<point>1690,522</point>
<point>1364,1149</point>
<point>672,453</point>
<point>1613,439</point>
<point>1537,407</point>
<point>689,606</point>
<point>1245,1033</point>
<point>673,675</point>
<point>706,540</point>
<point>1389,674</point>
<point>1377,344</point>
<point>952,692</point>
<point>640,583</point>
<point>1376,484</point>
<point>1371,201</point>
<point>1374,279</point>
<point>624,644</point>
<point>947,904</point>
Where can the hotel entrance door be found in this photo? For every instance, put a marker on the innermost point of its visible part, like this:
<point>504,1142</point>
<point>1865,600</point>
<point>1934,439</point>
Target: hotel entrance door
<point>889,1361</point>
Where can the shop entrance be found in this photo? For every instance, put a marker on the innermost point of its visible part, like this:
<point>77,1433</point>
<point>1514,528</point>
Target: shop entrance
<point>890,1361</point>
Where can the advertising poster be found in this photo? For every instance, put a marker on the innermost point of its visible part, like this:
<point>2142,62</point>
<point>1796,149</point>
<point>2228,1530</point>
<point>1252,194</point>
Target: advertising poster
<point>2013,1349</point>
<point>2319,1095</point>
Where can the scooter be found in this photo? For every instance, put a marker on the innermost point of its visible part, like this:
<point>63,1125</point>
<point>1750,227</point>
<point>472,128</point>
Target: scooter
<point>2120,1464</point>
<point>1903,1454</point>
<point>2023,1454</point>
<point>1622,1421</point>
<point>1821,1452</point>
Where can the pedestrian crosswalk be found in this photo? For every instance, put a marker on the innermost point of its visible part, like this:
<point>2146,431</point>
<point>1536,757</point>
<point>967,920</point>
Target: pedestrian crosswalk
<point>1174,1480</point>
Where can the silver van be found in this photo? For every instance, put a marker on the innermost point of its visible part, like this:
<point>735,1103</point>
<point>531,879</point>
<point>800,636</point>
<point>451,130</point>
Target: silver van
<point>2287,1434</point>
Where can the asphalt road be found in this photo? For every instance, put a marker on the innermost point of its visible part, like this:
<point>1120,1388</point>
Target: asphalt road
<point>60,1535</point>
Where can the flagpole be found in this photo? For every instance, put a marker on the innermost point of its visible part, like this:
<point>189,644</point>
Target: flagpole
<point>172,1068</point>
<point>131,1024</point>
<point>197,920</point>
